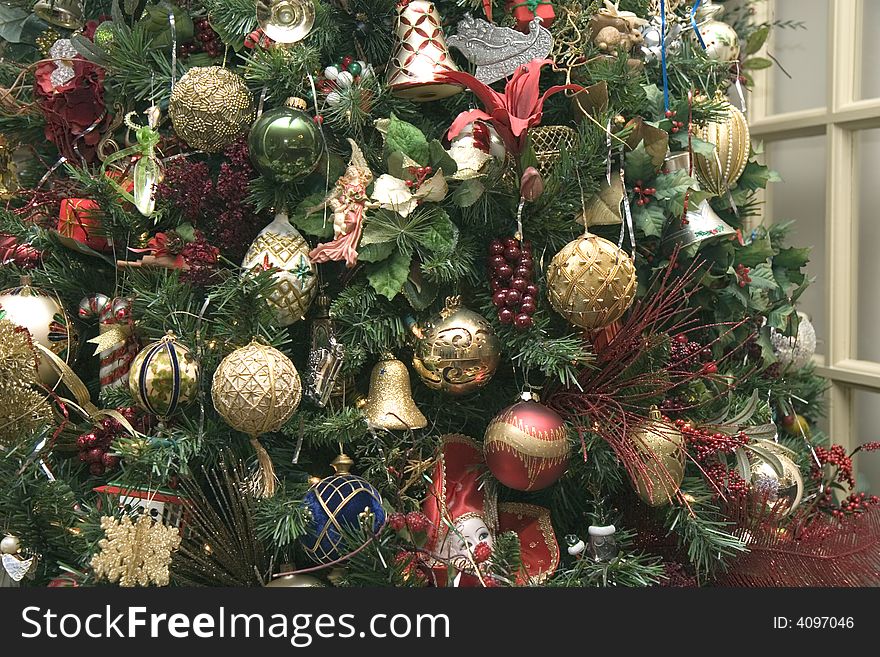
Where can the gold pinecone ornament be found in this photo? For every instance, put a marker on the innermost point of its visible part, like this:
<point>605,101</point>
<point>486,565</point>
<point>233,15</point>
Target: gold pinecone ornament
<point>256,389</point>
<point>591,282</point>
<point>210,108</point>
<point>281,246</point>
<point>718,171</point>
<point>662,447</point>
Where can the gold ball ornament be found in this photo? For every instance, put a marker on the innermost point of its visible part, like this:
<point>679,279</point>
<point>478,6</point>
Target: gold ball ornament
<point>47,322</point>
<point>591,282</point>
<point>256,389</point>
<point>164,377</point>
<point>780,484</point>
<point>457,350</point>
<point>664,456</point>
<point>719,170</point>
<point>210,108</point>
<point>295,581</point>
<point>281,246</point>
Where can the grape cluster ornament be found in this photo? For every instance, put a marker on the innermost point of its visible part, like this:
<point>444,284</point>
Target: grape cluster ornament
<point>511,271</point>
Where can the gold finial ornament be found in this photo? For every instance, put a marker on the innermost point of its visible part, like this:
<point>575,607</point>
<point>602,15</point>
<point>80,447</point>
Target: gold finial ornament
<point>286,21</point>
<point>67,14</point>
<point>591,282</point>
<point>389,404</point>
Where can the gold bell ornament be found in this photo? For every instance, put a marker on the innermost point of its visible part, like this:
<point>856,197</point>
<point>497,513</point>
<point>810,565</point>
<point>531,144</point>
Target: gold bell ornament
<point>45,319</point>
<point>281,246</point>
<point>702,222</point>
<point>286,21</point>
<point>421,53</point>
<point>663,448</point>
<point>591,282</point>
<point>256,389</point>
<point>456,350</point>
<point>61,13</point>
<point>389,404</point>
<point>719,170</point>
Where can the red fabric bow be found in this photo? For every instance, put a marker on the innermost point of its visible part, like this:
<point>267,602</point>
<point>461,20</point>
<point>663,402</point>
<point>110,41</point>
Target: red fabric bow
<point>512,113</point>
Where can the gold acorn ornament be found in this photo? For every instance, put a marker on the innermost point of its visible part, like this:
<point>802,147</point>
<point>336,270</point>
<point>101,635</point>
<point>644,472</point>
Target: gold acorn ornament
<point>210,108</point>
<point>389,404</point>
<point>591,282</point>
<point>456,350</point>
<point>662,447</point>
<point>256,389</point>
<point>164,377</point>
<point>281,246</point>
<point>719,170</point>
<point>45,319</point>
<point>421,54</point>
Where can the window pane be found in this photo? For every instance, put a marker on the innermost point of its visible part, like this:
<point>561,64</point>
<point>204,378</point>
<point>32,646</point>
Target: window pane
<point>801,198</point>
<point>870,76</point>
<point>866,429</point>
<point>802,52</point>
<point>867,306</point>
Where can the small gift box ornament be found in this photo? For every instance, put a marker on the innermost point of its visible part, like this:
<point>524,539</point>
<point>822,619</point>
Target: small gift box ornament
<point>80,220</point>
<point>524,12</point>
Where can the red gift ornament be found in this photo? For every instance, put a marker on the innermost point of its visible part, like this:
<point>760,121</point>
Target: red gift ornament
<point>524,12</point>
<point>80,219</point>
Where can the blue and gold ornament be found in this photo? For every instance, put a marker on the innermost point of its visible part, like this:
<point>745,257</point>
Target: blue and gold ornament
<point>164,377</point>
<point>340,504</point>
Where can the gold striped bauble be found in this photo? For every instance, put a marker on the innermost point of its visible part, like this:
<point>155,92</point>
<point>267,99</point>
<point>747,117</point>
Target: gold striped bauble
<point>164,377</point>
<point>718,171</point>
<point>661,445</point>
<point>591,282</point>
<point>526,446</point>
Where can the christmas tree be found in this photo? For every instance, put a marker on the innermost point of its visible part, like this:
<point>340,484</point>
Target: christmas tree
<point>410,293</point>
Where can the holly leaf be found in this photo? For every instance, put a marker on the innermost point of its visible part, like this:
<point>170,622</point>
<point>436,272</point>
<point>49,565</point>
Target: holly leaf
<point>408,139</point>
<point>309,217</point>
<point>672,185</point>
<point>762,277</point>
<point>375,252</point>
<point>792,258</point>
<point>639,165</point>
<point>440,159</point>
<point>757,39</point>
<point>650,219</point>
<point>441,235</point>
<point>654,96</point>
<point>754,253</point>
<point>756,176</point>
<point>12,21</point>
<point>757,63</point>
<point>468,192</point>
<point>778,317</point>
<point>389,276</point>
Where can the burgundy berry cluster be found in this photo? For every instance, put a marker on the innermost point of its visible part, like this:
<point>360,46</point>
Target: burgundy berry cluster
<point>707,443</point>
<point>742,275</point>
<point>644,193</point>
<point>511,271</point>
<point>676,125</point>
<point>685,353</point>
<point>96,445</point>
<point>205,40</point>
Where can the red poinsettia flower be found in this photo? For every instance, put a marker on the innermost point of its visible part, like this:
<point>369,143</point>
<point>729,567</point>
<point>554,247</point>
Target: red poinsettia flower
<point>512,113</point>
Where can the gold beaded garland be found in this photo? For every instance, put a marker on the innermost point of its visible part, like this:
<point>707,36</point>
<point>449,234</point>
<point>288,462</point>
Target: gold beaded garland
<point>210,108</point>
<point>591,282</point>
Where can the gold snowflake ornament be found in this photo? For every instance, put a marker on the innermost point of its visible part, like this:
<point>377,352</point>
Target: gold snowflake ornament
<point>135,553</point>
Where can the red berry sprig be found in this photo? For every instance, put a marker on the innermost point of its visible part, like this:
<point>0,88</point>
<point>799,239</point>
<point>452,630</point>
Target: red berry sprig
<point>397,521</point>
<point>96,445</point>
<point>644,193</point>
<point>707,444</point>
<point>417,522</point>
<point>729,480</point>
<point>421,175</point>
<point>511,272</point>
<point>742,275</point>
<point>686,353</point>
<point>204,40</point>
<point>836,457</point>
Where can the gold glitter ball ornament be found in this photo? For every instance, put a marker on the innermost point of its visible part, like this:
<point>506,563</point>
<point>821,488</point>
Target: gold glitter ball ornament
<point>281,246</point>
<point>135,553</point>
<point>256,389</point>
<point>23,406</point>
<point>210,108</point>
<point>662,448</point>
<point>719,170</point>
<point>591,282</point>
<point>457,350</point>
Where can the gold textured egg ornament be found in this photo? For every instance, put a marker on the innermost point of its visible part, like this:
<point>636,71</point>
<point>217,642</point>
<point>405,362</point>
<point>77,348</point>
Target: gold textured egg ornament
<point>719,170</point>
<point>662,446</point>
<point>281,246</point>
<point>256,389</point>
<point>456,350</point>
<point>591,282</point>
<point>210,108</point>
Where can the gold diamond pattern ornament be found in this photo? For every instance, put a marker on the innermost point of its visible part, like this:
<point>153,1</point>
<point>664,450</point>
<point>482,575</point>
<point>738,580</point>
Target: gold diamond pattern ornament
<point>281,246</point>
<point>548,142</point>
<point>719,170</point>
<point>210,108</point>
<point>135,553</point>
<point>591,282</point>
<point>256,389</point>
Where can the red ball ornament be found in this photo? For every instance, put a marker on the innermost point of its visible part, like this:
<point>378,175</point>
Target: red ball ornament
<point>526,445</point>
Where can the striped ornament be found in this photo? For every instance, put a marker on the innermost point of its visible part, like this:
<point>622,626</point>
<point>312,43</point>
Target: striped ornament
<point>164,377</point>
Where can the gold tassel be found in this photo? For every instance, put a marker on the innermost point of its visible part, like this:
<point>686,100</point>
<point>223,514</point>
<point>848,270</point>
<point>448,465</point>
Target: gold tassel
<point>267,470</point>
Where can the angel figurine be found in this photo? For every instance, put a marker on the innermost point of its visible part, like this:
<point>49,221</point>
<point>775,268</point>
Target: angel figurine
<point>349,202</point>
